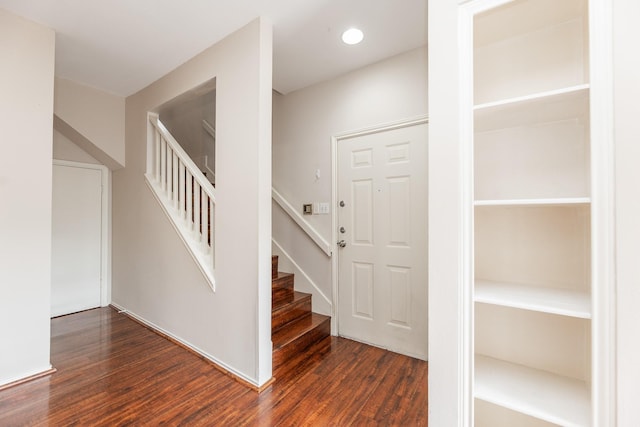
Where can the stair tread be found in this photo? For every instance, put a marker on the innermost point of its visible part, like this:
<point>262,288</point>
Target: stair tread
<point>296,329</point>
<point>279,303</point>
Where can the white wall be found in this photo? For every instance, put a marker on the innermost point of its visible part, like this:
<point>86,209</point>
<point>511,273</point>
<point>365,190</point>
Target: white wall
<point>154,276</point>
<point>65,149</point>
<point>96,115</point>
<point>27,53</point>
<point>627,140</point>
<point>304,122</point>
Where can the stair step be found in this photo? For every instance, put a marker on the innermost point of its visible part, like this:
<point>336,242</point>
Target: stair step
<point>283,280</point>
<point>299,335</point>
<point>289,309</point>
<point>282,286</point>
<point>274,267</point>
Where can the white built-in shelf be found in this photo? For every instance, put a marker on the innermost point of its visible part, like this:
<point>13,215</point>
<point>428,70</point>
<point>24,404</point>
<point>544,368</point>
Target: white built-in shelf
<point>561,104</point>
<point>536,298</point>
<point>561,201</point>
<point>511,22</point>
<point>540,394</point>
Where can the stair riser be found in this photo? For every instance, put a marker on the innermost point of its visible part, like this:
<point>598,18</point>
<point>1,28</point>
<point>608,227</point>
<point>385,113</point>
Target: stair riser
<point>281,294</point>
<point>281,355</point>
<point>283,281</point>
<point>289,313</point>
<point>274,267</point>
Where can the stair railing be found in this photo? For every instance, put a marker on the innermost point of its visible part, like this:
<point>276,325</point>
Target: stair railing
<point>184,192</point>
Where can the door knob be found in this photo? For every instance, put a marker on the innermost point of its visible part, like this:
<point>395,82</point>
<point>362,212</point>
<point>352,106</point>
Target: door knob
<point>342,243</point>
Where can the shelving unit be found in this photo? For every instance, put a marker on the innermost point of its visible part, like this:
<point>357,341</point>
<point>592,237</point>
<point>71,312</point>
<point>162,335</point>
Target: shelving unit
<point>532,207</point>
<point>556,399</point>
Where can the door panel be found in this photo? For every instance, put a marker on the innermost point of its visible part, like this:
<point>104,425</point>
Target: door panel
<point>362,224</point>
<point>362,290</point>
<point>382,270</point>
<point>76,239</point>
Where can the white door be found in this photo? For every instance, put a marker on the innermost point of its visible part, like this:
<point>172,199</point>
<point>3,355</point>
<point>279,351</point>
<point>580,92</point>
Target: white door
<point>76,239</point>
<point>382,218</point>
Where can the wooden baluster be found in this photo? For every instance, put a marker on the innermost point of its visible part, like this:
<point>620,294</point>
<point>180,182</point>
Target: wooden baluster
<point>169,172</point>
<point>163,165</point>
<point>197,212</point>
<point>189,200</point>
<point>175,187</point>
<point>156,156</point>
<point>204,242</point>
<point>211,234</point>
<point>181,185</point>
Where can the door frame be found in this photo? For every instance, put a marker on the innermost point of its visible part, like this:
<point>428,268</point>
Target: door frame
<point>105,227</point>
<point>335,140</point>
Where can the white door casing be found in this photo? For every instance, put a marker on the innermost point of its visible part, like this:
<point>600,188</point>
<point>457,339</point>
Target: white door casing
<point>78,238</point>
<point>382,273</point>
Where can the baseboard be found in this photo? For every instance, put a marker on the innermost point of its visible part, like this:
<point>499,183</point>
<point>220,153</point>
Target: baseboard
<point>15,383</point>
<point>236,376</point>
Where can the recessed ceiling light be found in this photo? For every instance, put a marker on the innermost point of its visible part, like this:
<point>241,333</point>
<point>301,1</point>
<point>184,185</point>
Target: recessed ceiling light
<point>352,36</point>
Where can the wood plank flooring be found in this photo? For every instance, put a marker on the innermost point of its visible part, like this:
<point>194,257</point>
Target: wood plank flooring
<point>113,372</point>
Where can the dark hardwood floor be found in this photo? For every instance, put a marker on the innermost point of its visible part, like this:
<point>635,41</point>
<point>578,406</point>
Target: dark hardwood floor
<point>113,371</point>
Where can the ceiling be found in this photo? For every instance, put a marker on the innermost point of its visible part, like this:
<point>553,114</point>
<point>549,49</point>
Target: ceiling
<point>121,46</point>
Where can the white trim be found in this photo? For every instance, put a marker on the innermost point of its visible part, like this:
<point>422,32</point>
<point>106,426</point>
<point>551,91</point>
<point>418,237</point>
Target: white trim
<point>334,234</point>
<point>212,132</point>
<point>25,376</point>
<point>603,342</point>
<point>379,129</point>
<point>209,128</point>
<point>299,269</point>
<point>302,223</point>
<point>105,227</point>
<point>197,350</point>
<point>209,170</point>
<point>334,195</point>
<point>466,278</point>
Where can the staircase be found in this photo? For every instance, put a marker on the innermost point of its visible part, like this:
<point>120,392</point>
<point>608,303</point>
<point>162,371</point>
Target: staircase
<point>185,194</point>
<point>296,332</point>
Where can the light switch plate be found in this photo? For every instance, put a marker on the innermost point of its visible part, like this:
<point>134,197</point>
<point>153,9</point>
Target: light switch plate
<point>323,208</point>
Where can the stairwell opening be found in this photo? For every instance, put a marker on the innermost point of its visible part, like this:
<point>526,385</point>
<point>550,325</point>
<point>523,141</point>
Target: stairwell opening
<point>191,119</point>
<point>181,169</point>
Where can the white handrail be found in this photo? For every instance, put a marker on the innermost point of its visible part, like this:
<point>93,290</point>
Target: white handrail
<point>183,156</point>
<point>302,223</point>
